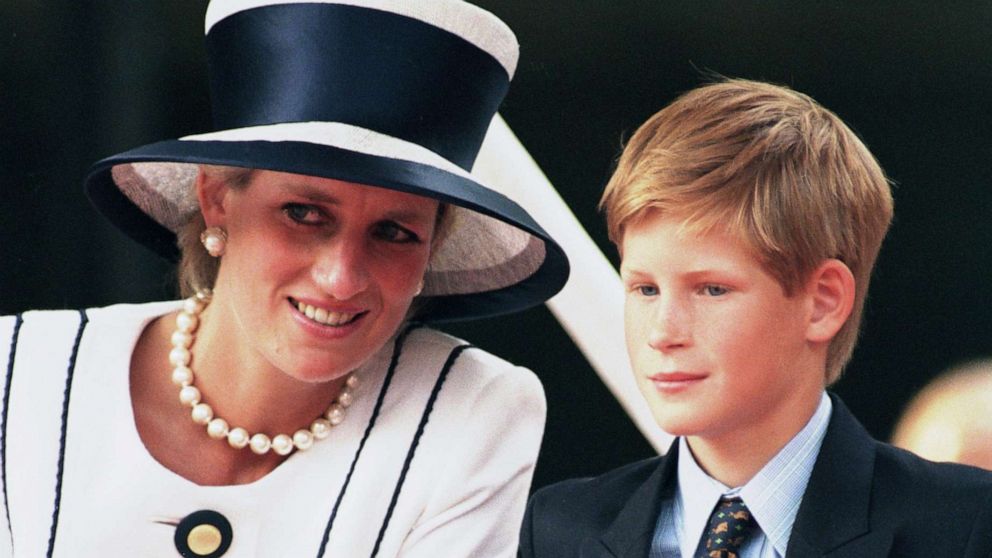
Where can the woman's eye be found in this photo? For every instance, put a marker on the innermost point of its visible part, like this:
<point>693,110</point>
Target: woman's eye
<point>714,290</point>
<point>303,214</point>
<point>392,232</point>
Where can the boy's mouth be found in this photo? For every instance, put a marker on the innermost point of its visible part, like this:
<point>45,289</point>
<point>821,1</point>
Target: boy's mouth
<point>324,316</point>
<point>675,381</point>
<point>677,377</point>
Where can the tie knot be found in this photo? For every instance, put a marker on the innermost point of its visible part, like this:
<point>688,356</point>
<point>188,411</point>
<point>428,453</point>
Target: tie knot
<point>728,528</point>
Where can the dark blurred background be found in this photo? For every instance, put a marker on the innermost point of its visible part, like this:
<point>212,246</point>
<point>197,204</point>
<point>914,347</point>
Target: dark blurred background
<point>86,79</point>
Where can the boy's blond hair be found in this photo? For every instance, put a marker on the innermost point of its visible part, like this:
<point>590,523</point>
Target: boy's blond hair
<point>770,165</point>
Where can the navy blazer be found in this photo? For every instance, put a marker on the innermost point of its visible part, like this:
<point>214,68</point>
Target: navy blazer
<point>865,499</point>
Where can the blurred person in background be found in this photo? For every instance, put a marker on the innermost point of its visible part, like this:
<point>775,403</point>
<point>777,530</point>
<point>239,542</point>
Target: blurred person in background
<point>950,419</point>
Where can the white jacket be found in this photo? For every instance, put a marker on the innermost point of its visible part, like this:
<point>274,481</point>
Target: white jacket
<point>77,480</point>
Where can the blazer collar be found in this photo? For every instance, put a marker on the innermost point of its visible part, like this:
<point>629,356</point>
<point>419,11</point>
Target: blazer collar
<point>832,519</point>
<point>834,510</point>
<point>630,534</point>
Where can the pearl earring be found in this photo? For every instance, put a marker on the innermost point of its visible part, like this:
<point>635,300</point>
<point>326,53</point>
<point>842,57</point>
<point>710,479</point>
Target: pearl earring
<point>420,287</point>
<point>214,239</point>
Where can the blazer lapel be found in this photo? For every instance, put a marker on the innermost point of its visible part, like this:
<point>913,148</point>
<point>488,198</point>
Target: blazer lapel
<point>833,517</point>
<point>630,534</point>
<point>872,545</point>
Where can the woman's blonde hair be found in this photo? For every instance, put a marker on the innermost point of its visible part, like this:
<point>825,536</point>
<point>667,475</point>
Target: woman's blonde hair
<point>770,165</point>
<point>198,270</point>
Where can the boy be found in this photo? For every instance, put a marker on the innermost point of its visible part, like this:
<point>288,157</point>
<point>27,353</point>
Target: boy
<point>748,219</point>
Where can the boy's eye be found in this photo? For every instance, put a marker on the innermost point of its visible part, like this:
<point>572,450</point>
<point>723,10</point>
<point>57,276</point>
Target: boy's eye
<point>392,232</point>
<point>647,290</point>
<point>303,213</point>
<point>714,290</point>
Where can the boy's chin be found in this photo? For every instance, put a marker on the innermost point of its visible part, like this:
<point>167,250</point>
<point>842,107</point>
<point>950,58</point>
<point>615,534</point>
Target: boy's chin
<point>674,416</point>
<point>675,421</point>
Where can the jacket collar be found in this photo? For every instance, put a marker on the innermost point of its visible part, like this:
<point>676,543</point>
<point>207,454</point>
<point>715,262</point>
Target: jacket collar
<point>833,518</point>
<point>630,534</point>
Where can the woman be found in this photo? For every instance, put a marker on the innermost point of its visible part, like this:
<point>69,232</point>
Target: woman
<point>292,405</point>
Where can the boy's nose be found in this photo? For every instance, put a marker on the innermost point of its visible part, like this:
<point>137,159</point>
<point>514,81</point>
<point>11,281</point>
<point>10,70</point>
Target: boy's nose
<point>670,327</point>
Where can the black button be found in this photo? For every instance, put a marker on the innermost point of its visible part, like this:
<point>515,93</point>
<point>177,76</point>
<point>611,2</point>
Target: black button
<point>203,534</point>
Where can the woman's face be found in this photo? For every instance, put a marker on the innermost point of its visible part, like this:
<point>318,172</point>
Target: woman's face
<point>318,274</point>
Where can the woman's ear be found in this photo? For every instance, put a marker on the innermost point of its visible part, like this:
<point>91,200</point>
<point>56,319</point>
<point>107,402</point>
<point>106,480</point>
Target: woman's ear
<point>831,290</point>
<point>211,191</point>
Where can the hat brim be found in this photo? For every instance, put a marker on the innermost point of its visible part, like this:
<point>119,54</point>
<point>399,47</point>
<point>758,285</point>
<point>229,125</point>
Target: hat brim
<point>454,294</point>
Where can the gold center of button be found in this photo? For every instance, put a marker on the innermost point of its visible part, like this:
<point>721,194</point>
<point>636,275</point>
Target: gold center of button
<point>204,539</point>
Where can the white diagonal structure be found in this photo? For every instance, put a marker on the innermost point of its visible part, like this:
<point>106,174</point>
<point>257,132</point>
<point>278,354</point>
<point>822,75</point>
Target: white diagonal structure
<point>590,307</point>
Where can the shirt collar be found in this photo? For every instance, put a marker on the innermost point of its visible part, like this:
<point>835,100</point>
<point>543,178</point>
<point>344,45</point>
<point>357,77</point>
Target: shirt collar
<point>694,505</point>
<point>773,495</point>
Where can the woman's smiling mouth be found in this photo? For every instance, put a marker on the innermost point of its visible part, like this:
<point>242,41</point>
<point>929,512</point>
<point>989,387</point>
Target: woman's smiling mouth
<point>324,316</point>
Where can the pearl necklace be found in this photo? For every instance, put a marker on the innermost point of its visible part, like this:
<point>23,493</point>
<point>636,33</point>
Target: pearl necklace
<point>218,428</point>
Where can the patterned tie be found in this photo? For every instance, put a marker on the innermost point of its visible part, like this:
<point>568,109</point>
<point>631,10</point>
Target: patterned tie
<point>727,530</point>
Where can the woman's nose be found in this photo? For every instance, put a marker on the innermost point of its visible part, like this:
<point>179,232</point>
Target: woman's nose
<point>340,270</point>
<point>670,325</point>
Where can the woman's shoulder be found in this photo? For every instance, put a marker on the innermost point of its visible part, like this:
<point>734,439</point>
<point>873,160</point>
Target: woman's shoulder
<point>477,365</point>
<point>51,336</point>
<point>140,312</point>
<point>126,316</point>
<point>113,312</point>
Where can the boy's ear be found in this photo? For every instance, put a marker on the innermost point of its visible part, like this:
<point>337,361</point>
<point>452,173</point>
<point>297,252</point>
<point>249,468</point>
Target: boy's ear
<point>831,292</point>
<point>211,191</point>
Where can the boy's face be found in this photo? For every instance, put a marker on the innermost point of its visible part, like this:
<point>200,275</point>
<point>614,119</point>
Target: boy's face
<point>717,348</point>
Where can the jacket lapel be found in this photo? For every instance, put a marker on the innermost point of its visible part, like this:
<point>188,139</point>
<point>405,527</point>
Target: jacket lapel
<point>833,517</point>
<point>872,545</point>
<point>630,534</point>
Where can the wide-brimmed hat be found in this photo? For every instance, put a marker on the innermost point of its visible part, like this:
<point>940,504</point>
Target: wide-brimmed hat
<point>390,93</point>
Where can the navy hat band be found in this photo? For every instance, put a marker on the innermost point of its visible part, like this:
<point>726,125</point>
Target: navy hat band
<point>374,69</point>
